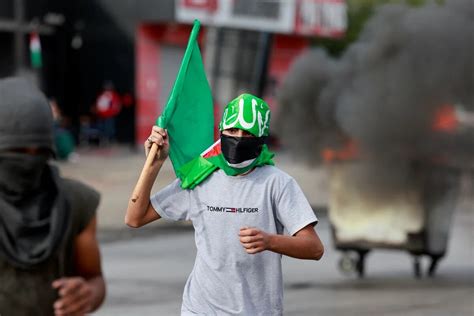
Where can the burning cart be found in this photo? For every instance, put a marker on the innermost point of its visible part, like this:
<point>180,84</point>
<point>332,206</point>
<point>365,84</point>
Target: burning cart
<point>386,205</point>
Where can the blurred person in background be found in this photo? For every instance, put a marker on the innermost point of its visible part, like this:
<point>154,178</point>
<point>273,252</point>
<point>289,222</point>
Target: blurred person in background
<point>240,207</point>
<point>49,255</point>
<point>107,108</point>
<point>63,139</point>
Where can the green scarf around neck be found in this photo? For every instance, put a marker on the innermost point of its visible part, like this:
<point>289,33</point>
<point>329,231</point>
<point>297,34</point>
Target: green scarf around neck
<point>198,169</point>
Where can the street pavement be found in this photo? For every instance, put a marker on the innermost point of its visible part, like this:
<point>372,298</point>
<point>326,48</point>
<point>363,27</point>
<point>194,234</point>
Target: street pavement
<point>146,268</point>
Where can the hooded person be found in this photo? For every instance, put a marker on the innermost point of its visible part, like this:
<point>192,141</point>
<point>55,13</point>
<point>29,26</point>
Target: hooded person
<point>245,211</point>
<point>47,223</point>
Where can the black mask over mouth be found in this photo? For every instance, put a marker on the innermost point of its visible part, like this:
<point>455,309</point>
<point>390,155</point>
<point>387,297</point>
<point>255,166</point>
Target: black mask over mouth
<point>240,149</point>
<point>21,173</point>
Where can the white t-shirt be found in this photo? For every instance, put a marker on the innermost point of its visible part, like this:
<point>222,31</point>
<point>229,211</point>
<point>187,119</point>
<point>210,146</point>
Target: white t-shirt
<point>225,279</point>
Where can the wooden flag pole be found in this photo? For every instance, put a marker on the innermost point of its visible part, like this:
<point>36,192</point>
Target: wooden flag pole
<point>146,174</point>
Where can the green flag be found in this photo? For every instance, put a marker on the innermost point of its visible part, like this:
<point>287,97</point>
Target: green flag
<point>188,115</point>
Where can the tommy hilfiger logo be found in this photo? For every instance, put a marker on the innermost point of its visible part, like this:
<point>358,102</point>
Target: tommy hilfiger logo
<point>232,209</point>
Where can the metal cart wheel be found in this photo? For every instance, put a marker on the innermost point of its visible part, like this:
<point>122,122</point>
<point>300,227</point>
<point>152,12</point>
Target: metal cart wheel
<point>348,263</point>
<point>353,262</point>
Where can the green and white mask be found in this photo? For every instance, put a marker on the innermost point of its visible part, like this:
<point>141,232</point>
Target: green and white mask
<point>248,113</point>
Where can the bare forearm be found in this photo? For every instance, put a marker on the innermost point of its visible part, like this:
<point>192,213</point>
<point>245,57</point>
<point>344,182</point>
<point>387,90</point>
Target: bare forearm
<point>305,244</point>
<point>137,208</point>
<point>301,247</point>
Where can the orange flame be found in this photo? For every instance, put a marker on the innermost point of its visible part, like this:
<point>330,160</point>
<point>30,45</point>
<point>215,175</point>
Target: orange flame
<point>445,119</point>
<point>349,151</point>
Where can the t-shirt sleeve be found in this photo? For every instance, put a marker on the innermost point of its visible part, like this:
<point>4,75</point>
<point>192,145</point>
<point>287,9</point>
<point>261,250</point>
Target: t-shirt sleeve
<point>172,202</point>
<point>293,210</point>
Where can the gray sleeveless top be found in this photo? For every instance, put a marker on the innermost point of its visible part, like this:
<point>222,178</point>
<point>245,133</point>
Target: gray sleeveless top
<point>29,292</point>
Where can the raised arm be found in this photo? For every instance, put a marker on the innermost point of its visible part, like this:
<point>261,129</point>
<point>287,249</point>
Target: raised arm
<point>140,211</point>
<point>305,244</point>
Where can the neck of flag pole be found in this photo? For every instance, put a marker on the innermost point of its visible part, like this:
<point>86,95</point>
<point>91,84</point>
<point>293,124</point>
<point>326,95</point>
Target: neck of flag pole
<point>163,120</point>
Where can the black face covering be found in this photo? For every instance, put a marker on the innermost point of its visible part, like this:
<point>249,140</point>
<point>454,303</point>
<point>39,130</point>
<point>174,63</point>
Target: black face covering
<point>239,149</point>
<point>20,173</point>
<point>34,212</point>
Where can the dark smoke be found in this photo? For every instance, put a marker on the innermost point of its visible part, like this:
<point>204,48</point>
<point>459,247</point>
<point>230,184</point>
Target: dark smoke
<point>300,119</point>
<point>386,88</point>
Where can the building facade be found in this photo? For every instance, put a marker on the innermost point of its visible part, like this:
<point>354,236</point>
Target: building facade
<point>247,45</point>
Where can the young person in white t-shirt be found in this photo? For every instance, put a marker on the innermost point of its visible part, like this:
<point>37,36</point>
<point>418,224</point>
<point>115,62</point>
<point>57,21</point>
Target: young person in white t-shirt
<point>246,214</point>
